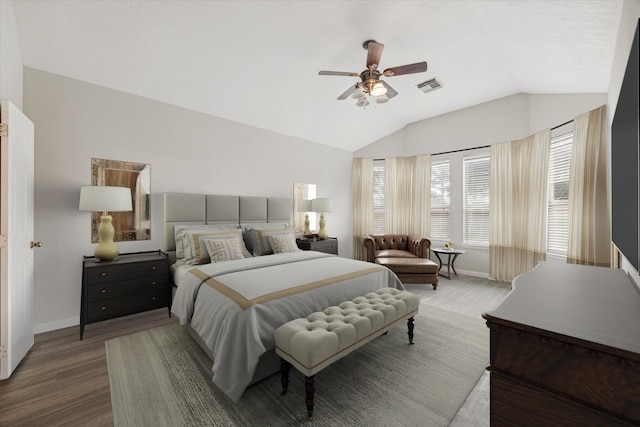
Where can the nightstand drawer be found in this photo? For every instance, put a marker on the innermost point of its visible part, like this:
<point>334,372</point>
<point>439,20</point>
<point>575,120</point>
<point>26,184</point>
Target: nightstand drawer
<point>117,272</point>
<point>112,307</point>
<point>126,287</point>
<point>329,245</point>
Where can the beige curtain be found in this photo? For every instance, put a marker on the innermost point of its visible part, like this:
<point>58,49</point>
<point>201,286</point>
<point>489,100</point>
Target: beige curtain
<point>589,223</point>
<point>407,195</point>
<point>362,204</point>
<point>518,200</point>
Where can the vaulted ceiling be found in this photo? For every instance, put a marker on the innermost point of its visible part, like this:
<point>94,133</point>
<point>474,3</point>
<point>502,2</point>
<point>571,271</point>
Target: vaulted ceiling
<point>257,62</point>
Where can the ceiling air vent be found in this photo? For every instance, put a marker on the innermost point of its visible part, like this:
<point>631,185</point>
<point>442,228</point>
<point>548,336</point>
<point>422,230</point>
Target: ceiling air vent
<point>430,85</point>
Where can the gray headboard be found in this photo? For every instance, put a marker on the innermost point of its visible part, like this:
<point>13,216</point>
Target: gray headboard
<point>188,208</point>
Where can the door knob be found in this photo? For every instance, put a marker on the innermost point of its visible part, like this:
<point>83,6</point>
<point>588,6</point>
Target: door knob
<point>36,245</point>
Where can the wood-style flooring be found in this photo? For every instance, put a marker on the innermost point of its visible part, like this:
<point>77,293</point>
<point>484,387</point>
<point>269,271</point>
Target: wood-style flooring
<point>64,381</point>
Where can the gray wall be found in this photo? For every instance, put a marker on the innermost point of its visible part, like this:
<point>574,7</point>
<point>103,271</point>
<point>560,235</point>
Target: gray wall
<point>188,152</point>
<point>505,119</point>
<point>10,56</point>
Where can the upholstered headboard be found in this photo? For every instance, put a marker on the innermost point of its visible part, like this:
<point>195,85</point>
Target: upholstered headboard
<point>196,209</point>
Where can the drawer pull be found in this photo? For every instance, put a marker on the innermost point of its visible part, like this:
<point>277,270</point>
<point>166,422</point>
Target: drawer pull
<point>153,283</point>
<point>153,298</point>
<point>104,291</point>
<point>103,307</point>
<point>104,273</point>
<point>153,267</point>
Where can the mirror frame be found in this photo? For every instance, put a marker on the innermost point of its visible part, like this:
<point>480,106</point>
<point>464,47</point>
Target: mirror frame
<point>117,173</point>
<point>303,192</point>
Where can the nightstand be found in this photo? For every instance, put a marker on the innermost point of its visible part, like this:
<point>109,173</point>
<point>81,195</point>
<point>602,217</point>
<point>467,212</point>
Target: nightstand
<point>133,283</point>
<point>329,246</point>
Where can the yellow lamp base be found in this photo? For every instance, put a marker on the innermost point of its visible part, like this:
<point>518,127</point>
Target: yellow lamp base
<point>106,249</point>
<point>322,233</point>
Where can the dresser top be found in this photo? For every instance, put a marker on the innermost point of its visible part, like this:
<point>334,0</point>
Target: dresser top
<point>595,304</point>
<point>127,258</point>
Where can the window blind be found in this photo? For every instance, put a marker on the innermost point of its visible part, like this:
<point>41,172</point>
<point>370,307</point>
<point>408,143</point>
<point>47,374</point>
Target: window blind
<point>476,200</point>
<point>440,200</point>
<point>558,194</point>
<point>378,196</point>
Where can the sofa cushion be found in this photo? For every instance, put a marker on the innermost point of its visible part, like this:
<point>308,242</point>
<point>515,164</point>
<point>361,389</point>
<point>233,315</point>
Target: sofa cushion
<point>409,265</point>
<point>394,253</point>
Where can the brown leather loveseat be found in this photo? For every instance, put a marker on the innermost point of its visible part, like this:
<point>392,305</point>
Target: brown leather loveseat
<point>407,256</point>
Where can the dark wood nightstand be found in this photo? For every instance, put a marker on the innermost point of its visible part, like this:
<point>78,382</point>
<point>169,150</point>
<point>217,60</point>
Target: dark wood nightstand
<point>133,283</point>
<point>329,246</point>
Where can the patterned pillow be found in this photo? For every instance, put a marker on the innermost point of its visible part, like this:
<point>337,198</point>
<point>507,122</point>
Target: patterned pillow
<point>281,243</point>
<point>220,249</point>
<point>195,251</point>
<point>181,230</point>
<point>260,239</point>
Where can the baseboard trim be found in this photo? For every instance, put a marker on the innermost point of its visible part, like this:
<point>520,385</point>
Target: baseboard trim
<point>473,273</point>
<point>58,324</point>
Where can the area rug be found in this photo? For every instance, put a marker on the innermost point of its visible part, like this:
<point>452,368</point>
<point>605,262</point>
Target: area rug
<point>160,377</point>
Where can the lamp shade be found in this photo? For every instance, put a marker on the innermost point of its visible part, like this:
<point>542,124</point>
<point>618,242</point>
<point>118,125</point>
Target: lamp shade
<point>105,198</point>
<point>304,206</point>
<point>322,205</point>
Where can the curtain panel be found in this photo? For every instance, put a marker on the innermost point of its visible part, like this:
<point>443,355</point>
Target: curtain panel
<point>407,195</point>
<point>518,201</point>
<point>362,204</point>
<point>589,221</point>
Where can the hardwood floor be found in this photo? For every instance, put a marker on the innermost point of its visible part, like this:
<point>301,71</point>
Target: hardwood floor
<point>64,381</point>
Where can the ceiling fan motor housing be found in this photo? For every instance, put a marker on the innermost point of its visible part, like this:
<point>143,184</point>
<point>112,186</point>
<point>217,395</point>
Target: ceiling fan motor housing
<point>369,79</point>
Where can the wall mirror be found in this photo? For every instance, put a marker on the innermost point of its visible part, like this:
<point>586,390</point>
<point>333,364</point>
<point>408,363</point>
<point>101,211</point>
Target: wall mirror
<point>134,225</point>
<point>303,192</point>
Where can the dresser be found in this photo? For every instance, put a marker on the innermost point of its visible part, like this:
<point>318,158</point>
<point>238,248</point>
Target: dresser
<point>133,283</point>
<point>565,349</point>
<point>329,245</point>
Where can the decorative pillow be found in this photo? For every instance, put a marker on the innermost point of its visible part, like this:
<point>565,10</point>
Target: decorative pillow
<point>248,226</point>
<point>224,249</point>
<point>260,239</point>
<point>281,243</point>
<point>195,251</point>
<point>180,231</point>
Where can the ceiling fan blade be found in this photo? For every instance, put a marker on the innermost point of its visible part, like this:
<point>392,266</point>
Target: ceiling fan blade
<point>338,73</point>
<point>390,91</point>
<point>418,67</point>
<point>374,53</point>
<point>348,92</point>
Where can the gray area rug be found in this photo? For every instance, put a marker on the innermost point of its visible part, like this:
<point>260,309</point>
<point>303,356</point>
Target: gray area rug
<point>160,377</point>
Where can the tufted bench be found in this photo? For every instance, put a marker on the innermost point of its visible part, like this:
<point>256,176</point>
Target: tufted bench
<point>311,344</point>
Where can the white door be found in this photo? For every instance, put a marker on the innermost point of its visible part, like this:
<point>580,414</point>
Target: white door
<point>16,243</point>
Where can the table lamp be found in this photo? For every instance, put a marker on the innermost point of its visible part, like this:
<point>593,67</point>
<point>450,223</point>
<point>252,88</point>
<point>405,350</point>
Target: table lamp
<point>322,206</point>
<point>105,198</point>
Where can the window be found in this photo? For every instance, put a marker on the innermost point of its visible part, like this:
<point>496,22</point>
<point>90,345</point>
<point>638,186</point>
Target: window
<point>475,201</point>
<point>378,196</point>
<point>440,200</point>
<point>558,195</point>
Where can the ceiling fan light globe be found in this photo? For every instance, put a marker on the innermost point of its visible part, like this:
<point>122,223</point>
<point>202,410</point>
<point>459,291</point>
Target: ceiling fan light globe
<point>378,89</point>
<point>362,102</point>
<point>382,99</point>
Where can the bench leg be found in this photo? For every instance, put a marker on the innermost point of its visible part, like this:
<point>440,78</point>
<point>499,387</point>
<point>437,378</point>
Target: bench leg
<point>310,387</point>
<point>284,376</point>
<point>410,327</point>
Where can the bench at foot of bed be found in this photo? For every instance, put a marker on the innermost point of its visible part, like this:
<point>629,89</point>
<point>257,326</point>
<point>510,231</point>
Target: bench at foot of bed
<point>311,344</point>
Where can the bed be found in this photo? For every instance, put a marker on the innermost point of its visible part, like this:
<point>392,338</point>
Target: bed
<point>233,305</point>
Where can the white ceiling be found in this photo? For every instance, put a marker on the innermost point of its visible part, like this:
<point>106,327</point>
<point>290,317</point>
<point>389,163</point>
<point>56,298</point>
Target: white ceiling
<point>257,62</point>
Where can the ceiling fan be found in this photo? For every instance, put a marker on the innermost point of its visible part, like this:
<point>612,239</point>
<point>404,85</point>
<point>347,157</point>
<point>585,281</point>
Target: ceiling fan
<point>371,83</point>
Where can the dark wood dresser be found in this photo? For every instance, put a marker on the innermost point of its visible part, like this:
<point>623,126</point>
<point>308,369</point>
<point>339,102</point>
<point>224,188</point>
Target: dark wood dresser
<point>135,282</point>
<point>329,245</point>
<point>565,349</point>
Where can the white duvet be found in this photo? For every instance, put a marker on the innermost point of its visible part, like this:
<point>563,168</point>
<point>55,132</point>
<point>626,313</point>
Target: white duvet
<point>236,306</point>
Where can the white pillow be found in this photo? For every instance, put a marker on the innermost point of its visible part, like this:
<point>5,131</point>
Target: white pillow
<point>221,249</point>
<point>181,229</point>
<point>195,251</point>
<point>260,239</point>
<point>281,243</point>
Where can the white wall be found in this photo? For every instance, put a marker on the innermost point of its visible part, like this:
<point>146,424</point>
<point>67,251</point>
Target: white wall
<point>628,22</point>
<point>10,56</point>
<point>188,152</point>
<point>505,119</point>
